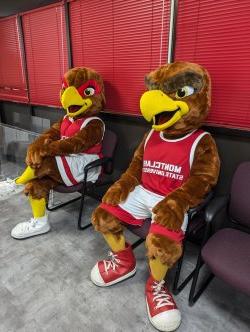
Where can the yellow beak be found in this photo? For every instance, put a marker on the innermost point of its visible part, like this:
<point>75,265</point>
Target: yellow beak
<point>154,102</point>
<point>71,97</point>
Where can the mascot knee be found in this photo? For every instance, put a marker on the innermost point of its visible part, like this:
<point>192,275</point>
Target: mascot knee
<point>104,222</point>
<point>167,250</point>
<point>37,189</point>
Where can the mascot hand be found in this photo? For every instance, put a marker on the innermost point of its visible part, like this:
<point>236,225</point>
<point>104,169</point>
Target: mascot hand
<point>116,194</point>
<point>119,192</point>
<point>170,213</point>
<point>34,157</point>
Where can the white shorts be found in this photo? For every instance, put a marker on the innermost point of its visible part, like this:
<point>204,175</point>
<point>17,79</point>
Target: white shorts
<point>140,203</point>
<point>71,168</point>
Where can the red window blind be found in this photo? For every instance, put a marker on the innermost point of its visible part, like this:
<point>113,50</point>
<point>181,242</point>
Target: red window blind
<point>123,40</point>
<point>46,52</point>
<point>216,35</point>
<point>12,77</point>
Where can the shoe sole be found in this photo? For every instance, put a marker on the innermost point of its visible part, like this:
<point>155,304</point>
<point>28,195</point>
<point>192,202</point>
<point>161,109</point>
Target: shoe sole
<point>126,276</point>
<point>25,236</point>
<point>169,329</point>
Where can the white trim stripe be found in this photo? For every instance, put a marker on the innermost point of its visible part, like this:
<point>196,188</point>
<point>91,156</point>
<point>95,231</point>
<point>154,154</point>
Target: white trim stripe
<point>177,139</point>
<point>148,137</point>
<point>63,174</point>
<point>86,121</point>
<point>193,148</point>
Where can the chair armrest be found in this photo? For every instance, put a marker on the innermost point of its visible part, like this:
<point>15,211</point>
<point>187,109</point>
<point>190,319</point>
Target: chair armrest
<point>201,206</point>
<point>214,207</point>
<point>97,163</point>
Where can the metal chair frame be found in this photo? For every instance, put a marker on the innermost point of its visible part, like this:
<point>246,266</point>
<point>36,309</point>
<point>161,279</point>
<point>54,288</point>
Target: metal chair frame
<point>177,288</point>
<point>85,189</point>
<point>191,214</point>
<point>216,206</point>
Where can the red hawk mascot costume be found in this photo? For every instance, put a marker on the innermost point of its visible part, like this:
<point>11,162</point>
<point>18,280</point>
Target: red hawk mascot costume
<point>60,154</point>
<point>172,170</point>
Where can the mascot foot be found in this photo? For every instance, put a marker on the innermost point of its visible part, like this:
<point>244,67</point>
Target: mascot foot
<point>162,310</point>
<point>9,188</point>
<point>120,266</point>
<point>35,226</point>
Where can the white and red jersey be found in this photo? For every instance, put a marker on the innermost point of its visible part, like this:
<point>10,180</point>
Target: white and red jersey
<point>167,163</point>
<point>71,167</point>
<point>70,127</point>
<point>166,166</point>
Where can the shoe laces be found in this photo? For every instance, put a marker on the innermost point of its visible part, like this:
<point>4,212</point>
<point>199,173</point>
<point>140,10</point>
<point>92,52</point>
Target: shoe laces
<point>111,263</point>
<point>161,297</point>
<point>29,224</point>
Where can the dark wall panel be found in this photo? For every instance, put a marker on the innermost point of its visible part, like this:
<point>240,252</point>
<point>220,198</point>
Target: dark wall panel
<point>233,148</point>
<point>130,131</point>
<point>16,114</point>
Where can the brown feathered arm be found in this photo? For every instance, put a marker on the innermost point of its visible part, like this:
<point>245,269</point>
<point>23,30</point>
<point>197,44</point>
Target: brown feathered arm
<point>33,152</point>
<point>203,176</point>
<point>83,140</point>
<point>52,134</point>
<point>119,191</point>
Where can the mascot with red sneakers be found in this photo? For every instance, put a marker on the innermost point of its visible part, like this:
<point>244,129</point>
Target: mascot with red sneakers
<point>172,170</point>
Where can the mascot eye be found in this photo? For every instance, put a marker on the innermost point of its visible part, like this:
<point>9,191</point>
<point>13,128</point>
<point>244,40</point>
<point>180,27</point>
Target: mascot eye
<point>89,91</point>
<point>184,92</point>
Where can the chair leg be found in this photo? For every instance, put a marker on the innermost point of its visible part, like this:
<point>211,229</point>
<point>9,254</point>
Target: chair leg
<point>195,273</point>
<point>193,297</point>
<point>84,189</point>
<point>58,206</point>
<point>178,288</point>
<point>137,243</point>
<point>62,204</point>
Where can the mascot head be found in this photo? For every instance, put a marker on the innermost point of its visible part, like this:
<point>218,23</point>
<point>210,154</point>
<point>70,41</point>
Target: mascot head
<point>82,92</point>
<point>178,99</point>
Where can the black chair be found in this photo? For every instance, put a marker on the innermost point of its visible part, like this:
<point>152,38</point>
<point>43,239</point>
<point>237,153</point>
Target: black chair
<point>195,225</point>
<point>88,188</point>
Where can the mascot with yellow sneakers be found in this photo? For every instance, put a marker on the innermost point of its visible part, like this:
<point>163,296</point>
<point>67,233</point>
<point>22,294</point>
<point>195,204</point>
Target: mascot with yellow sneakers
<point>59,155</point>
<point>172,170</point>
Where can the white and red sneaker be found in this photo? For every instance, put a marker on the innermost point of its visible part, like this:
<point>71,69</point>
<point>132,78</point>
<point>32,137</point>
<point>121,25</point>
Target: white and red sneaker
<point>120,266</point>
<point>162,310</point>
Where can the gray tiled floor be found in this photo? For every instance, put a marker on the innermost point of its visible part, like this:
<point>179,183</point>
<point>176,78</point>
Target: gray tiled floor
<point>45,284</point>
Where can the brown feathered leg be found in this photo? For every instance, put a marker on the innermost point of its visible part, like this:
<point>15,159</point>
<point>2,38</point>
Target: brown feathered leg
<point>167,250</point>
<point>47,177</point>
<point>104,222</point>
<point>110,227</point>
<point>49,169</point>
<point>121,264</point>
<point>40,188</point>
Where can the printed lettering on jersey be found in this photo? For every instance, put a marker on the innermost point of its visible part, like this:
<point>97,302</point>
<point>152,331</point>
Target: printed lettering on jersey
<point>163,169</point>
<point>167,163</point>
